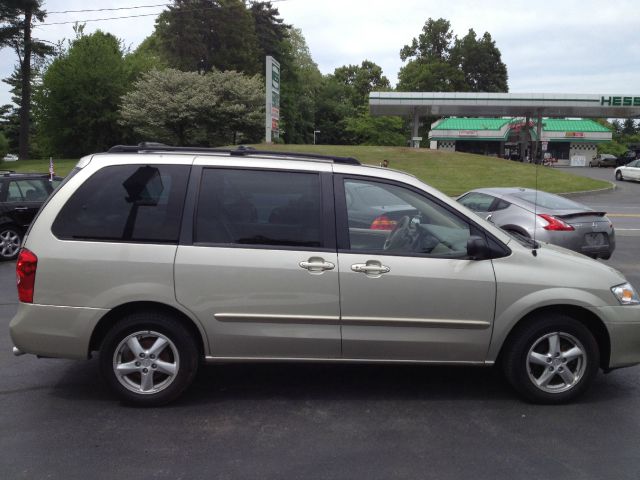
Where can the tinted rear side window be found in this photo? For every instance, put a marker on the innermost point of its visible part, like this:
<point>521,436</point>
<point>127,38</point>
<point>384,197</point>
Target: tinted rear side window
<point>252,207</point>
<point>126,203</point>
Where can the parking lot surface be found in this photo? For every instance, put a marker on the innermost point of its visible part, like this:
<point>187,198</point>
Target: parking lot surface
<point>286,421</point>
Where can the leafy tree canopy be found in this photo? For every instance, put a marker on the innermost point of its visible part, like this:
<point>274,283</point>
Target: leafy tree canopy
<point>16,17</point>
<point>77,104</point>
<point>204,34</point>
<point>300,83</point>
<point>438,61</point>
<point>361,80</point>
<point>191,109</point>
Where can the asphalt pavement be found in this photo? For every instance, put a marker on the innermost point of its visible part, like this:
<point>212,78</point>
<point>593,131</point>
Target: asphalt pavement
<point>59,421</point>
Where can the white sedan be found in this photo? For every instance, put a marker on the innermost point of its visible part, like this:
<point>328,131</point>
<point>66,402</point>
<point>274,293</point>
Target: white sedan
<point>630,171</point>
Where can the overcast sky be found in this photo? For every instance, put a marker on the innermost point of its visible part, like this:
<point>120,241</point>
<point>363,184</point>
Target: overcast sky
<point>560,46</point>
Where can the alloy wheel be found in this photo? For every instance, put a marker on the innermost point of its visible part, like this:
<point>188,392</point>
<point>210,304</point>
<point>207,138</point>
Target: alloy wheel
<point>9,243</point>
<point>146,362</point>
<point>556,362</point>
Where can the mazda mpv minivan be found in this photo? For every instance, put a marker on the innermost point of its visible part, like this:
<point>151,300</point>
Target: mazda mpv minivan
<point>163,258</point>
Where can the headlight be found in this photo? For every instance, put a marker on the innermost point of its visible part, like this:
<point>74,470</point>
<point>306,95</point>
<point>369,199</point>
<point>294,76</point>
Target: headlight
<point>626,294</point>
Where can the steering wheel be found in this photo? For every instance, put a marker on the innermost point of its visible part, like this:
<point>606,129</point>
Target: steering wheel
<point>400,237</point>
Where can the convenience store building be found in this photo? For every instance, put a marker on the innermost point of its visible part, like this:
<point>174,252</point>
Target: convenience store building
<point>562,140</point>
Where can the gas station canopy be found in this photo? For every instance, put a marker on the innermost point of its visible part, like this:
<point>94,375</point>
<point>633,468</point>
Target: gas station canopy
<point>504,104</point>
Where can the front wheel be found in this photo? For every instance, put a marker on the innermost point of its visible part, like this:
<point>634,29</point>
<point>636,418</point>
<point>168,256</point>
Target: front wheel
<point>10,242</point>
<point>552,360</point>
<point>149,359</point>
<point>619,176</point>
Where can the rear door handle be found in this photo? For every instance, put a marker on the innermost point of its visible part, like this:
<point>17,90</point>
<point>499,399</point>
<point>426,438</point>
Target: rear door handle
<point>372,267</point>
<point>21,208</point>
<point>317,265</point>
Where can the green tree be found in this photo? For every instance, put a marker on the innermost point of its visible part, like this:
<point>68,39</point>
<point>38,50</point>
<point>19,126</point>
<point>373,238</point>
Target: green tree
<point>204,34</point>
<point>77,105</point>
<point>16,18</point>
<point>192,109</point>
<point>362,80</point>
<point>333,108</point>
<point>4,146</point>
<point>439,62</point>
<point>480,62</point>
<point>432,45</point>
<point>271,31</point>
<point>368,130</point>
<point>616,126</point>
<point>299,87</point>
<point>629,127</point>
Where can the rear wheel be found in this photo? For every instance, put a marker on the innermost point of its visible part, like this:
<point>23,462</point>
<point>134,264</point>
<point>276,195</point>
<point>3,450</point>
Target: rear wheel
<point>619,176</point>
<point>10,242</point>
<point>551,360</point>
<point>149,359</point>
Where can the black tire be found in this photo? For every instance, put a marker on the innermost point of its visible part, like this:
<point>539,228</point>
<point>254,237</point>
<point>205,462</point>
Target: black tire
<point>10,242</point>
<point>541,377</point>
<point>590,164</point>
<point>169,370</point>
<point>619,176</point>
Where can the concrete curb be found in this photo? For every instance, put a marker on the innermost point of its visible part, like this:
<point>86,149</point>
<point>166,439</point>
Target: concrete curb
<point>612,187</point>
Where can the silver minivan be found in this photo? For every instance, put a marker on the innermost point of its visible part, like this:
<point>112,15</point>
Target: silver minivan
<point>162,258</point>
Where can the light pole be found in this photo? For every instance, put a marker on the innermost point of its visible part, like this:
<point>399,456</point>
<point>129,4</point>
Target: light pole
<point>314,136</point>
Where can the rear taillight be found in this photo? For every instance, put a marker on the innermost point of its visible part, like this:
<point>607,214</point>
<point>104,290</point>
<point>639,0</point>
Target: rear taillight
<point>555,224</point>
<point>383,223</point>
<point>26,275</point>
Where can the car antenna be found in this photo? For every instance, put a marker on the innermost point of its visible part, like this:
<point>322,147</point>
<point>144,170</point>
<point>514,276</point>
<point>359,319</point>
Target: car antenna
<point>534,250</point>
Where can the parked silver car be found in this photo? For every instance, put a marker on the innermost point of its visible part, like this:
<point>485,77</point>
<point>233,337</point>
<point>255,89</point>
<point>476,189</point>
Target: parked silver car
<point>545,217</point>
<point>161,258</point>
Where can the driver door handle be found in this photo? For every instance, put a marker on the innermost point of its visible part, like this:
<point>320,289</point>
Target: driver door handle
<point>370,268</point>
<point>317,265</point>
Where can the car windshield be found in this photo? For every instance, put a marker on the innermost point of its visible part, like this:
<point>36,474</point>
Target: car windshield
<point>548,200</point>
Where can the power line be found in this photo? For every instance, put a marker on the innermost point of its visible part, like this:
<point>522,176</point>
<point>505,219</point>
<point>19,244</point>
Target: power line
<point>100,19</point>
<point>128,8</point>
<point>127,16</point>
<point>109,9</point>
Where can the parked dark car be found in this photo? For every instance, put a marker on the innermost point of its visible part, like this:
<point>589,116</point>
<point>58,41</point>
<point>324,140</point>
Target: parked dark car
<point>21,196</point>
<point>605,160</point>
<point>628,156</point>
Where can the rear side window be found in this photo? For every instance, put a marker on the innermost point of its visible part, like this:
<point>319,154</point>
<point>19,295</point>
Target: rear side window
<point>28,190</point>
<point>138,203</point>
<point>476,201</point>
<point>253,207</point>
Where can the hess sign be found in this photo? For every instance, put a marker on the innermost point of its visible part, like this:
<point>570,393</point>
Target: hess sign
<point>620,101</point>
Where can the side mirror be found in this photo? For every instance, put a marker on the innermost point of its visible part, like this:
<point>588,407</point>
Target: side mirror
<point>477,248</point>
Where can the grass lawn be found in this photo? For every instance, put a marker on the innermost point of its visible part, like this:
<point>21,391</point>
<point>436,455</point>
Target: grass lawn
<point>452,172</point>
<point>61,167</point>
<point>455,173</point>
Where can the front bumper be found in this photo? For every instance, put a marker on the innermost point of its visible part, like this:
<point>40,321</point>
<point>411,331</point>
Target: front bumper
<point>623,324</point>
<point>54,331</point>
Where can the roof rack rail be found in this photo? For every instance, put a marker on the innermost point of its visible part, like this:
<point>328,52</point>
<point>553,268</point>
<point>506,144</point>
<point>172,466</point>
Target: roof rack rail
<point>240,151</point>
